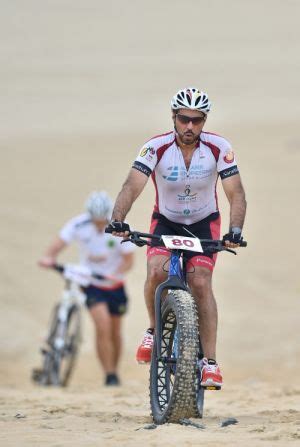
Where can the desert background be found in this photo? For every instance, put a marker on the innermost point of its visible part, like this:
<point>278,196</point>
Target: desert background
<point>83,85</point>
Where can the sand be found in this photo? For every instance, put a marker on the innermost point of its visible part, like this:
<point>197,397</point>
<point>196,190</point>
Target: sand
<point>83,85</point>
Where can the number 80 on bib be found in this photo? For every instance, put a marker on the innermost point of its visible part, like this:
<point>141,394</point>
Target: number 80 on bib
<point>182,243</point>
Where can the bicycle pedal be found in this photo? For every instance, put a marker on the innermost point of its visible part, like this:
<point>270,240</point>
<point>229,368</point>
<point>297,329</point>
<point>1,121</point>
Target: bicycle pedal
<point>36,374</point>
<point>211,388</point>
<point>44,351</point>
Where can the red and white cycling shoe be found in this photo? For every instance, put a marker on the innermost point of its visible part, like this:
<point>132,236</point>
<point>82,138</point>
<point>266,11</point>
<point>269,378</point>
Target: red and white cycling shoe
<point>211,377</point>
<point>144,351</point>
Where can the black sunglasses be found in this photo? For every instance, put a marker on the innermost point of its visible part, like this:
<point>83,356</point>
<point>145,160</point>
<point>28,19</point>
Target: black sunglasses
<point>184,119</point>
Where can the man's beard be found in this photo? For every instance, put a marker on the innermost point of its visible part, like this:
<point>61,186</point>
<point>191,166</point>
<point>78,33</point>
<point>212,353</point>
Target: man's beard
<point>188,138</point>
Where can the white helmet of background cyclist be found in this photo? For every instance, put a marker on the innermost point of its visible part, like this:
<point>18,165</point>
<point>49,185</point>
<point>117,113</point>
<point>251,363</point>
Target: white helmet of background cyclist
<point>191,98</point>
<point>99,205</point>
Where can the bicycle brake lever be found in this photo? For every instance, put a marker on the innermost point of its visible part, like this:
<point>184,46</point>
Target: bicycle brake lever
<point>212,250</point>
<point>139,243</point>
<point>230,251</point>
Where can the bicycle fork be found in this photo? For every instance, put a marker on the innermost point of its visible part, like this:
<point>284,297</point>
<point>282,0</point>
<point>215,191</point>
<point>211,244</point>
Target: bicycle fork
<point>174,281</point>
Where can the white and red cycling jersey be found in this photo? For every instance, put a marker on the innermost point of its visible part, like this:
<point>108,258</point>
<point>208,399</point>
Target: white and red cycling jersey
<point>92,242</point>
<point>186,195</point>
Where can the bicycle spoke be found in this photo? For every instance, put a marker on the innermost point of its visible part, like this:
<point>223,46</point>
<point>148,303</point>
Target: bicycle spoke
<point>165,378</point>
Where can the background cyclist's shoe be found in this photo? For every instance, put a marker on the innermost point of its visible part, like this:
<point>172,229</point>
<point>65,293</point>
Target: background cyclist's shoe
<point>112,380</point>
<point>144,351</point>
<point>211,377</point>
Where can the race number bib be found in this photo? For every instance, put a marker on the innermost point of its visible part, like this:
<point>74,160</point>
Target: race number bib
<point>182,243</point>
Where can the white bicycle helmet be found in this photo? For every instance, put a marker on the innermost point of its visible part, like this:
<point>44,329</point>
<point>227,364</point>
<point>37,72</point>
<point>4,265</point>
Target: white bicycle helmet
<point>99,205</point>
<point>191,98</point>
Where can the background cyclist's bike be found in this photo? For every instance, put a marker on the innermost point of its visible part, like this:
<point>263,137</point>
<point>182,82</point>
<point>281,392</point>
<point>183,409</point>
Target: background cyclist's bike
<point>64,333</point>
<point>175,390</point>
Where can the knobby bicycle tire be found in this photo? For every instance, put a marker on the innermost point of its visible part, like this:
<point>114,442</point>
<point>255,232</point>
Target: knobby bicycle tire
<point>174,386</point>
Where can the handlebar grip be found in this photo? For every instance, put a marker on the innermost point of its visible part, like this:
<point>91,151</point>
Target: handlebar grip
<point>59,268</point>
<point>96,276</point>
<point>243,244</point>
<point>108,230</point>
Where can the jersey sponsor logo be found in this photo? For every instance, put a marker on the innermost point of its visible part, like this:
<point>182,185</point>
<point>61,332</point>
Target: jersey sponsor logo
<point>195,171</point>
<point>204,261</point>
<point>180,173</point>
<point>179,213</point>
<point>187,211</point>
<point>173,176</point>
<point>229,157</point>
<point>142,168</point>
<point>198,172</point>
<point>228,172</point>
<point>111,243</point>
<point>148,150</point>
<point>122,309</point>
<point>187,196</point>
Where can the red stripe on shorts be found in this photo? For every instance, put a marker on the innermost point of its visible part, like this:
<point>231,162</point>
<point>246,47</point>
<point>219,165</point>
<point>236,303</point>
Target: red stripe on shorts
<point>205,261</point>
<point>154,251</point>
<point>201,261</point>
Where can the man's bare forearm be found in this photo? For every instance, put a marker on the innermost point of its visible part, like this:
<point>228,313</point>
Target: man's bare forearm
<point>123,204</point>
<point>238,207</point>
<point>56,247</point>
<point>49,257</point>
<point>131,189</point>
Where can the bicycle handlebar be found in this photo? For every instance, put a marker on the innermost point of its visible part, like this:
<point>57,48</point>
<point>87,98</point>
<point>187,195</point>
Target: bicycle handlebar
<point>61,268</point>
<point>136,237</point>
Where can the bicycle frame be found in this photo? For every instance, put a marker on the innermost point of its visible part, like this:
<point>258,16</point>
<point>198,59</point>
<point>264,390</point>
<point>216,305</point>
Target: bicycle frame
<point>70,295</point>
<point>176,280</point>
<point>64,332</point>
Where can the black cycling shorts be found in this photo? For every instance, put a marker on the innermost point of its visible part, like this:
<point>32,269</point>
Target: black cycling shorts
<point>208,228</point>
<point>116,299</point>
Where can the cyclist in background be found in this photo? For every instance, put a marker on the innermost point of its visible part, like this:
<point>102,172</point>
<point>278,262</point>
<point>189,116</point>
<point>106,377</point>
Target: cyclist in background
<point>185,165</point>
<point>103,254</point>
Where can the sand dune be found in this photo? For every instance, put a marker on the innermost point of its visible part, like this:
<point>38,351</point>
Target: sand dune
<point>83,85</point>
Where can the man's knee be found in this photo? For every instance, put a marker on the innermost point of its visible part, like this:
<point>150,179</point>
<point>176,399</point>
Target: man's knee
<point>200,282</point>
<point>155,273</point>
<point>102,331</point>
<point>116,336</point>
<point>102,320</point>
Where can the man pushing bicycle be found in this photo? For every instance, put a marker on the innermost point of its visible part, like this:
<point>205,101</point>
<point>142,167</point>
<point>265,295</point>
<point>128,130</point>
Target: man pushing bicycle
<point>185,165</point>
<point>104,255</point>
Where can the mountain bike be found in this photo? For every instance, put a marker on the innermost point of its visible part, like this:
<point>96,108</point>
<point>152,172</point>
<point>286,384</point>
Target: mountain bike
<point>64,334</point>
<point>175,371</point>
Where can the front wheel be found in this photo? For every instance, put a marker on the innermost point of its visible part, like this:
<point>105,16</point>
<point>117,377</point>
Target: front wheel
<point>63,341</point>
<point>174,382</point>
